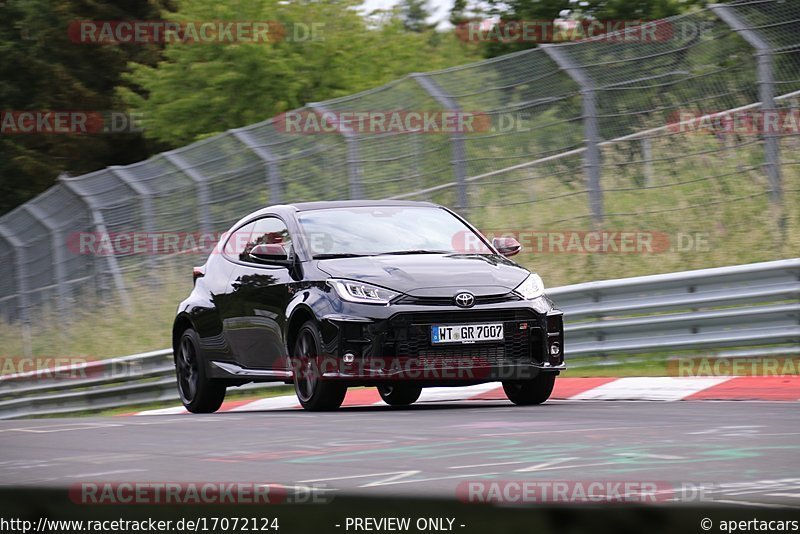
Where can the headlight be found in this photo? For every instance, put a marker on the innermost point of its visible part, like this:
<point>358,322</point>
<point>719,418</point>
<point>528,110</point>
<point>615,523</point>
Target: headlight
<point>361,292</point>
<point>531,288</point>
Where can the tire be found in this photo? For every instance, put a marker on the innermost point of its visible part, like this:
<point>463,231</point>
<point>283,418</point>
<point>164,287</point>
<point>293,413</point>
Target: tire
<point>401,395</point>
<point>530,392</point>
<point>314,393</point>
<point>198,392</point>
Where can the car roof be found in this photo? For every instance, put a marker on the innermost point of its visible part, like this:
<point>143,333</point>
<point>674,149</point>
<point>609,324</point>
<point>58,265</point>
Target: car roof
<point>308,206</point>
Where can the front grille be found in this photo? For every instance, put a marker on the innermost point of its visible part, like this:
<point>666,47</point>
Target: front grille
<point>486,356</point>
<point>448,301</point>
<point>403,320</point>
<point>412,338</point>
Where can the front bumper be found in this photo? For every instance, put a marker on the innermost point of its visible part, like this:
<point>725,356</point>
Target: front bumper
<point>393,343</point>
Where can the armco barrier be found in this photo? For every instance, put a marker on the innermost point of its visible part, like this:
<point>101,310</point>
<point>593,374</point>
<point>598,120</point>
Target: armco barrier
<point>754,307</point>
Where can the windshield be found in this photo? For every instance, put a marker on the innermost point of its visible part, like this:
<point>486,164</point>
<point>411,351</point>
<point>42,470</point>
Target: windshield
<point>372,231</point>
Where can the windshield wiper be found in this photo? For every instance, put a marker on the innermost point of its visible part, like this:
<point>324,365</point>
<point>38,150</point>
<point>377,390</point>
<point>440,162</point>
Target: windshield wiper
<point>338,255</point>
<point>418,251</point>
<point>394,253</point>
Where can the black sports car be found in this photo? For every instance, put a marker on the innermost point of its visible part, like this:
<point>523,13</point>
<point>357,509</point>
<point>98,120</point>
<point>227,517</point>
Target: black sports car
<point>398,295</point>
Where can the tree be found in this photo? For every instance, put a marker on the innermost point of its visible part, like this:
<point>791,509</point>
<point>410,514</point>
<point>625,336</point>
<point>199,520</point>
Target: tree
<point>415,15</point>
<point>550,10</point>
<point>42,69</point>
<point>201,90</point>
<point>464,11</point>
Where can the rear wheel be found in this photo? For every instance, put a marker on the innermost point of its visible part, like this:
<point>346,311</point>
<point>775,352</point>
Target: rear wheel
<point>401,395</point>
<point>313,391</point>
<point>198,392</point>
<point>529,392</point>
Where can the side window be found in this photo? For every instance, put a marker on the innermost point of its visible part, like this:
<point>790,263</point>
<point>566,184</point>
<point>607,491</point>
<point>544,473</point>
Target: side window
<point>269,230</point>
<point>238,241</point>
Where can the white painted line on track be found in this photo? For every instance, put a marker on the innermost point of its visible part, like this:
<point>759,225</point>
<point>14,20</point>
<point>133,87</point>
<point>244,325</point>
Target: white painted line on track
<point>493,464</point>
<point>106,473</point>
<point>270,403</point>
<point>455,393</point>
<point>663,388</point>
<point>403,480</point>
<point>559,431</point>
<point>627,389</point>
<point>349,477</point>
<point>165,411</point>
<point>65,427</point>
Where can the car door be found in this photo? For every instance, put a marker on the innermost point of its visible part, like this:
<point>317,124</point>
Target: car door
<point>258,295</point>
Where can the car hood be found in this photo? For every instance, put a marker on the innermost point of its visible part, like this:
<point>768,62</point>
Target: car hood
<point>431,275</point>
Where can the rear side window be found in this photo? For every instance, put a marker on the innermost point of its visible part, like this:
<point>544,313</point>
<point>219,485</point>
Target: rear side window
<point>269,230</point>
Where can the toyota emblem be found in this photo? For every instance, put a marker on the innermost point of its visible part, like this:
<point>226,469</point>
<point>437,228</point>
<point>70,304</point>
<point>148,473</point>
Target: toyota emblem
<point>465,300</point>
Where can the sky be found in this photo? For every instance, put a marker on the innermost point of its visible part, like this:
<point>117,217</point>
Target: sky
<point>439,9</point>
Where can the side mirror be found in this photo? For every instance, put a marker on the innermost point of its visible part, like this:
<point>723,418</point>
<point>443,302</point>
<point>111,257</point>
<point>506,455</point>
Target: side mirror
<point>269,253</point>
<point>507,246</point>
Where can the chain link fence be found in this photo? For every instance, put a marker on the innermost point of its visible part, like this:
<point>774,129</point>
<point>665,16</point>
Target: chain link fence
<point>576,137</point>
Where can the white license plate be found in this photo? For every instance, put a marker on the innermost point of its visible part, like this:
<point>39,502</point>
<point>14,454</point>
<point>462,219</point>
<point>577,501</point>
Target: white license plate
<point>466,333</point>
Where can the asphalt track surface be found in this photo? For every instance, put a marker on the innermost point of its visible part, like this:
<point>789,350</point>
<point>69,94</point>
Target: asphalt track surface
<point>743,453</point>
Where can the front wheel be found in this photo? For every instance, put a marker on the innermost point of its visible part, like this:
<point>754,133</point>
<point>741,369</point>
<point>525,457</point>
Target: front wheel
<point>198,392</point>
<point>401,395</point>
<point>314,393</point>
<point>530,392</point>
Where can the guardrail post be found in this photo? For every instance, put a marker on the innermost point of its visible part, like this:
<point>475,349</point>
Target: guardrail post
<point>57,243</point>
<point>591,129</point>
<point>201,185</point>
<point>766,92</point>
<point>274,180</point>
<point>353,157</point>
<point>23,305</point>
<point>456,139</point>
<point>100,227</point>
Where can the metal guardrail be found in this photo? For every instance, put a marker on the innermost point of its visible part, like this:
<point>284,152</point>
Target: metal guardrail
<point>754,307</point>
<point>99,385</point>
<point>741,306</point>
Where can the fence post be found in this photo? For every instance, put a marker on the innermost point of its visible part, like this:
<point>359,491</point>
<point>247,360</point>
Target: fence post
<point>57,244</point>
<point>22,287</point>
<point>456,139</point>
<point>274,181</point>
<point>100,227</point>
<point>591,129</point>
<point>201,185</point>
<point>647,161</point>
<point>353,156</point>
<point>766,92</point>
<point>145,198</point>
